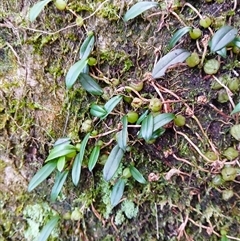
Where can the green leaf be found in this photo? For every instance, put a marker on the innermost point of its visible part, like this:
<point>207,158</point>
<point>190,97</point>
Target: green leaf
<point>142,117</point>
<point>137,9</point>
<point>61,163</point>
<point>117,192</point>
<point>77,164</point>
<point>58,184</point>
<point>162,119</point>
<point>111,104</point>
<point>122,136</point>
<point>146,130</point>
<point>74,72</point>
<point>236,109</point>
<point>60,150</point>
<point>62,141</point>
<point>236,42</point>
<point>90,85</point>
<point>137,175</point>
<point>174,57</point>
<point>222,52</point>
<point>48,228</point>
<point>42,174</point>
<point>87,46</point>
<point>178,35</point>
<point>98,111</point>
<point>112,162</point>
<point>222,38</point>
<point>36,9</point>
<point>93,158</point>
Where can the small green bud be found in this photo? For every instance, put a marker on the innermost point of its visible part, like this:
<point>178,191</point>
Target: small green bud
<point>136,103</point>
<point>132,117</point>
<point>231,153</point>
<point>212,156</point>
<point>79,21</point>
<point>193,60</point>
<point>155,105</point>
<point>60,4</point>
<point>179,120</point>
<point>205,22</point>
<point>227,194</point>
<point>92,61</point>
<point>229,173</point>
<point>195,33</point>
<point>126,173</point>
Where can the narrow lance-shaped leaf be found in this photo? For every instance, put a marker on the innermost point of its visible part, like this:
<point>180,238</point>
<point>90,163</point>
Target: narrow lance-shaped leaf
<point>178,35</point>
<point>174,57</point>
<point>137,175</point>
<point>93,158</point>
<point>123,134</point>
<point>142,117</point>
<point>222,52</point>
<point>98,111</point>
<point>137,9</point>
<point>42,174</point>
<point>90,85</point>
<point>87,46</point>
<point>74,72</point>
<point>62,141</point>
<point>58,184</point>
<point>77,164</point>
<point>47,229</point>
<point>146,130</point>
<point>236,109</point>
<point>162,119</point>
<point>36,9</point>
<point>117,192</point>
<point>222,38</point>
<point>60,150</point>
<point>112,162</point>
<point>61,163</point>
<point>236,42</point>
<point>111,104</point>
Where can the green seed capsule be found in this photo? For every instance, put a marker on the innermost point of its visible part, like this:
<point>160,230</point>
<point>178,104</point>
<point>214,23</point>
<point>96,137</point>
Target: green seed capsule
<point>205,22</point>
<point>132,117</point>
<point>227,194</point>
<point>92,61</point>
<point>136,85</point>
<point>60,4</point>
<point>195,33</point>
<point>217,180</point>
<point>126,173</point>
<point>211,155</point>
<point>231,153</point>
<point>211,66</point>
<point>222,96</point>
<point>79,21</point>
<point>193,60</point>
<point>229,173</point>
<point>179,120</point>
<point>155,105</point>
<point>233,84</point>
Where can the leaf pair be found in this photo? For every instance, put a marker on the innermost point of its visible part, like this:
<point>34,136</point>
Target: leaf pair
<point>103,111</point>
<point>150,125</point>
<point>118,188</point>
<point>36,9</point>
<point>79,69</point>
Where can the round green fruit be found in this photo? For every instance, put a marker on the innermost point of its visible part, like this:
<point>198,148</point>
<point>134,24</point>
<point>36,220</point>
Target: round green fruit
<point>227,194</point>
<point>205,22</point>
<point>211,66</point>
<point>217,180</point>
<point>155,105</point>
<point>229,173</point>
<point>136,85</point>
<point>231,153</point>
<point>233,84</point>
<point>193,60</point>
<point>179,120</point>
<point>60,4</point>
<point>222,96</point>
<point>195,33</point>
<point>132,117</point>
<point>92,61</point>
<point>212,156</point>
<point>127,173</point>
<point>79,21</point>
